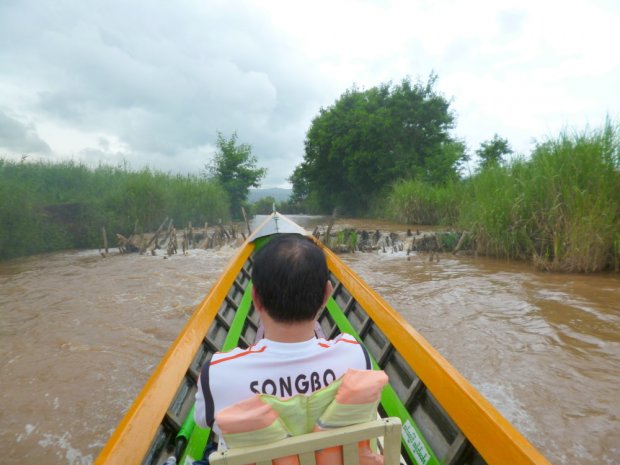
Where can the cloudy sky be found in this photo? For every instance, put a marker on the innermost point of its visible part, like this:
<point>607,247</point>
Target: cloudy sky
<point>151,82</point>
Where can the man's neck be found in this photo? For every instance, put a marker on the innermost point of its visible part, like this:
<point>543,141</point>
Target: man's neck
<point>293,332</point>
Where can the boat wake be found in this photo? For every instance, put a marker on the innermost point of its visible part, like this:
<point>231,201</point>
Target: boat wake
<point>60,445</point>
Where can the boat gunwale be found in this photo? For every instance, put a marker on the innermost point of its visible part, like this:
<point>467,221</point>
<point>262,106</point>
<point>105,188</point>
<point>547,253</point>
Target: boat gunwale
<point>133,436</point>
<point>492,435</point>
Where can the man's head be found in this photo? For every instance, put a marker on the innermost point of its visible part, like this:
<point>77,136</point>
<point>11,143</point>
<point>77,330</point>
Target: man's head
<point>289,276</point>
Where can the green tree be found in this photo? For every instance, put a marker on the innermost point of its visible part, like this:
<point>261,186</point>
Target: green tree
<point>355,149</point>
<point>299,183</point>
<point>492,152</point>
<point>234,167</point>
<point>264,206</point>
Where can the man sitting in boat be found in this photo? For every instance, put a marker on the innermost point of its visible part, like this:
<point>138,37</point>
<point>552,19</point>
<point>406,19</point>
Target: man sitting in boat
<point>290,285</point>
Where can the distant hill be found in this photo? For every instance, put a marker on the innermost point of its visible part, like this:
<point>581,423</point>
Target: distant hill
<point>276,192</point>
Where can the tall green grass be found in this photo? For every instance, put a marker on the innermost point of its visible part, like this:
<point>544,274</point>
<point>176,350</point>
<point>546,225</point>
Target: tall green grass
<point>53,206</point>
<point>492,211</point>
<point>572,191</point>
<point>559,208</point>
<point>417,202</point>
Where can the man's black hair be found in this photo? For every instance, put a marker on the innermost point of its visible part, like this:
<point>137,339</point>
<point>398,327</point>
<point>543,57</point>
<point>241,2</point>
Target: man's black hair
<point>289,276</point>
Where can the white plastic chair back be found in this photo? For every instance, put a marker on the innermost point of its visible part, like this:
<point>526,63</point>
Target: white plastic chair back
<point>306,445</point>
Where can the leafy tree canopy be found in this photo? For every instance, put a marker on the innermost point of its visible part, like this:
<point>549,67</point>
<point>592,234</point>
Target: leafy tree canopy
<point>368,139</point>
<point>492,152</point>
<point>264,206</point>
<point>234,167</point>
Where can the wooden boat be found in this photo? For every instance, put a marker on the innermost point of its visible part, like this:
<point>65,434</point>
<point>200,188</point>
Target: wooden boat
<point>445,420</point>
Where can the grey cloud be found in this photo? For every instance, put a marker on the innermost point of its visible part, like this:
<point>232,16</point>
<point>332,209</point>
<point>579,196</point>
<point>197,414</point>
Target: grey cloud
<point>169,84</point>
<point>161,78</point>
<point>19,137</point>
<point>164,78</point>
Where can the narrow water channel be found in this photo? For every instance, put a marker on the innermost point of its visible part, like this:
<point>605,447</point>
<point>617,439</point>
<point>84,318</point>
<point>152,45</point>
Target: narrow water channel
<point>80,334</point>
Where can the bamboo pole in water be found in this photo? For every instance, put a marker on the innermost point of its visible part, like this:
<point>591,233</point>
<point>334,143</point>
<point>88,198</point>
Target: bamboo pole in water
<point>247,223</point>
<point>155,236</point>
<point>105,239</point>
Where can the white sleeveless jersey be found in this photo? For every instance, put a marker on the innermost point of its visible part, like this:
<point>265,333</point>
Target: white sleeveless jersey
<point>276,368</point>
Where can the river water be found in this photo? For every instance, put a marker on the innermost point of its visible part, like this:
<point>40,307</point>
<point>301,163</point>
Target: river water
<point>80,334</point>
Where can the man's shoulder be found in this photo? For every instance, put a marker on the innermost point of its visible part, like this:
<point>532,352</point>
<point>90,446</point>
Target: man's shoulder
<point>265,351</point>
<point>342,339</point>
<point>348,346</point>
<point>346,337</point>
<point>237,353</point>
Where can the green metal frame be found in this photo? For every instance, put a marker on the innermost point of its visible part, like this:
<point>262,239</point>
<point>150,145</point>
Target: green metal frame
<point>199,436</point>
<point>421,452</point>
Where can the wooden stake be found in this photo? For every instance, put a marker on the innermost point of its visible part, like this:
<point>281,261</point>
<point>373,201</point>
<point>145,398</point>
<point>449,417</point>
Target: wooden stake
<point>246,221</point>
<point>329,227</point>
<point>460,242</point>
<point>155,236</point>
<point>105,239</point>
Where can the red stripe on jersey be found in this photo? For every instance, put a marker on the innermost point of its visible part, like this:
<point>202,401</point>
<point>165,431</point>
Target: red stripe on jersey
<point>327,346</point>
<point>240,354</point>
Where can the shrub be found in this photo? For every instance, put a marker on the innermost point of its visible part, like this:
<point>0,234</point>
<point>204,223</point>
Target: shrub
<point>53,206</point>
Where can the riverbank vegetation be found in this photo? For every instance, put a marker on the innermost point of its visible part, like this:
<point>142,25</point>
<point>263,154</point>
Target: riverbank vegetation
<point>385,152</point>
<point>560,207</point>
<point>356,148</point>
<point>52,206</point>
<point>388,152</point>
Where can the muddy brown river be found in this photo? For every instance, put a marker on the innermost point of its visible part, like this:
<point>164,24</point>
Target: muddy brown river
<point>80,334</point>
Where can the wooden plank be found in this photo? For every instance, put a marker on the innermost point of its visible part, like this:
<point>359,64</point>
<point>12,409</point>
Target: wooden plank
<point>350,454</point>
<point>307,458</point>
